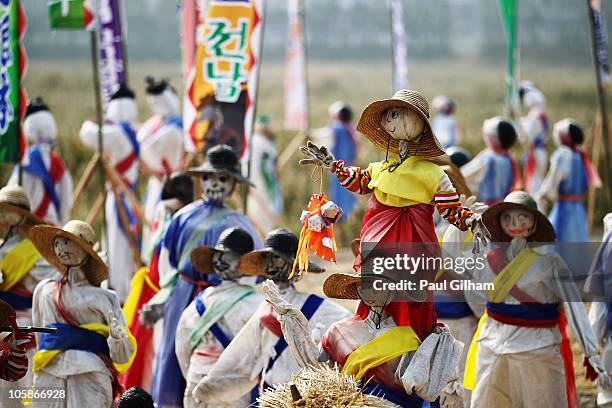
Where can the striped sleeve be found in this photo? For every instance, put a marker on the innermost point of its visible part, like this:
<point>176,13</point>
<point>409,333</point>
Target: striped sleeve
<point>447,201</point>
<point>352,178</point>
<point>16,364</point>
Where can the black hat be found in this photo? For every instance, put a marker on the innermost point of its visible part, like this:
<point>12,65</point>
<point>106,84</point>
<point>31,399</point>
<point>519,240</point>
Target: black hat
<point>281,242</point>
<point>234,239</point>
<point>37,105</point>
<point>135,397</point>
<point>180,187</point>
<point>123,92</point>
<point>220,159</point>
<point>458,155</point>
<point>575,132</point>
<point>506,133</point>
<point>157,87</point>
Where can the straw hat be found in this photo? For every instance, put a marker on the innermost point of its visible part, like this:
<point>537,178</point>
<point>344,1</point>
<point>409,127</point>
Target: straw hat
<point>6,311</point>
<point>220,159</point>
<point>234,240</point>
<point>281,242</point>
<point>369,124</point>
<point>14,199</point>
<point>80,233</point>
<point>346,286</point>
<point>518,200</point>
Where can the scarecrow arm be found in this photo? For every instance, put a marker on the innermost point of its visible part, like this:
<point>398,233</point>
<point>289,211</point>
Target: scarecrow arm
<point>447,201</point>
<point>352,178</point>
<point>560,168</point>
<point>118,341</point>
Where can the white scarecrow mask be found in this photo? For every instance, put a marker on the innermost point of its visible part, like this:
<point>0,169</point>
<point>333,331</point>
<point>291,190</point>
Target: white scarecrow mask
<point>225,265</point>
<point>402,123</point>
<point>217,186</point>
<point>278,269</point>
<point>68,252</point>
<point>517,223</point>
<point>10,219</point>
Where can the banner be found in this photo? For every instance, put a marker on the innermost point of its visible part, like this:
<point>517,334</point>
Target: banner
<point>189,19</point>
<point>398,39</point>
<point>12,68</point>
<point>509,12</point>
<point>296,86</point>
<point>112,68</point>
<point>601,43</point>
<point>221,91</point>
<point>71,14</point>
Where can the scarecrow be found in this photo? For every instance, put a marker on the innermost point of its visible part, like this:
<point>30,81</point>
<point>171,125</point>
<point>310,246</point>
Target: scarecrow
<point>121,148</point>
<point>520,355</point>
<point>176,193</point>
<point>217,314</point>
<point>13,347</point>
<point>198,224</point>
<point>45,178</point>
<point>161,147</point>
<point>381,350</point>
<point>257,356</point>
<point>493,173</point>
<point>135,397</point>
<point>21,265</point>
<point>600,313</point>
<point>404,190</point>
<point>444,122</point>
<point>569,177</point>
<point>92,344</point>
<point>533,135</point>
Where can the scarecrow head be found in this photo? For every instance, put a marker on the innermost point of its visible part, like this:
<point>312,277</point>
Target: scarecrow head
<point>568,132</point>
<point>223,259</point>
<point>531,96</point>
<point>443,105</point>
<point>15,208</point>
<point>219,173</point>
<point>122,106</point>
<point>39,125</point>
<point>162,97</point>
<point>499,133</point>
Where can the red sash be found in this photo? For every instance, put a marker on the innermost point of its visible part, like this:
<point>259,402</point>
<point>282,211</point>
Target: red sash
<point>56,172</point>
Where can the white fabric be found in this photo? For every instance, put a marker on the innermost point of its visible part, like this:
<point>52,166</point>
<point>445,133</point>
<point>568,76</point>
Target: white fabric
<point>239,367</point>
<point>81,390</point>
<point>446,129</point>
<point>40,127</point>
<point>35,189</point>
<point>159,140</point>
<point>87,304</point>
<point>598,319</point>
<point>116,147</point>
<point>122,110</point>
<point>473,172</point>
<point>560,168</point>
<point>531,129</point>
<point>197,363</point>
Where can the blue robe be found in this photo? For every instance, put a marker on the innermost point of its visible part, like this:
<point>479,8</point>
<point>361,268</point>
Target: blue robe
<point>345,149</point>
<point>200,223</point>
<point>498,178</point>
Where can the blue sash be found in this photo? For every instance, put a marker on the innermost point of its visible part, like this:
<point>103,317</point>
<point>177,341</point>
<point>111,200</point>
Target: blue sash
<point>174,121</point>
<point>70,337</point>
<point>18,302</point>
<point>403,400</point>
<point>131,135</point>
<point>528,311</point>
<point>223,338</point>
<point>37,168</point>
<point>453,310</point>
<point>308,309</point>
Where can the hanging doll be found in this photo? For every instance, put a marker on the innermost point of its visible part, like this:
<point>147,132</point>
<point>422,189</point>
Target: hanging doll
<point>404,190</point>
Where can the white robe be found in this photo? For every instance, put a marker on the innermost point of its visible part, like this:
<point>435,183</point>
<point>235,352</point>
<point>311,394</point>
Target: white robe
<point>532,129</point>
<point>242,363</point>
<point>116,147</point>
<point>196,364</point>
<point>82,374</point>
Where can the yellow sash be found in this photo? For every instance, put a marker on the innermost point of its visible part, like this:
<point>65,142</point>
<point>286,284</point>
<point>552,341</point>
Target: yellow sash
<point>507,277</point>
<point>415,181</point>
<point>137,284</point>
<point>17,263</point>
<point>503,283</point>
<point>42,358</point>
<point>386,347</point>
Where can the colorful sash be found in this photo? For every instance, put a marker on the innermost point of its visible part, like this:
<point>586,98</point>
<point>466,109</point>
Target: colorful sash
<point>17,263</point>
<point>49,178</point>
<point>137,284</point>
<point>403,400</point>
<point>507,278</point>
<point>389,345</point>
<point>126,163</point>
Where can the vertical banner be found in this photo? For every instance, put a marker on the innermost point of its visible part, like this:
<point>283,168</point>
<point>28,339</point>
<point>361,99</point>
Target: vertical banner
<point>398,45</point>
<point>71,14</point>
<point>601,43</point>
<point>112,67</point>
<point>296,84</point>
<point>220,96</point>
<point>12,68</point>
<point>509,13</point>
<point>189,20</point>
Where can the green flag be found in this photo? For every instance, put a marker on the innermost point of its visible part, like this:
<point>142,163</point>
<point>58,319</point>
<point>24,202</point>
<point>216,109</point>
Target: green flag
<point>12,67</point>
<point>70,14</point>
<point>509,12</point>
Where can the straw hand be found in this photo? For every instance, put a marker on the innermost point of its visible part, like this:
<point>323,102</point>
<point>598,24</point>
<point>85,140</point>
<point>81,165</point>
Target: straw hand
<point>471,203</point>
<point>317,156</point>
<point>273,297</point>
<point>603,378</point>
<point>114,328</point>
<point>480,233</point>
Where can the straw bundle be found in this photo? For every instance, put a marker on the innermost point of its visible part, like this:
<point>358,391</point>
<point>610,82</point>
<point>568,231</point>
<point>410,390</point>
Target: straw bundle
<point>319,386</point>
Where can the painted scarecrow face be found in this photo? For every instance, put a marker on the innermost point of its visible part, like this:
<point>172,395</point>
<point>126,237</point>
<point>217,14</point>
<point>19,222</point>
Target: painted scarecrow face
<point>278,268</point>
<point>375,298</point>
<point>68,252</point>
<point>225,265</point>
<point>217,186</point>
<point>517,223</point>
<point>9,219</point>
<point>402,123</point>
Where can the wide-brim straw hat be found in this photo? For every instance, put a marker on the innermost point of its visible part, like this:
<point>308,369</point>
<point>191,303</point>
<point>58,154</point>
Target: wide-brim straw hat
<point>346,286</point>
<point>6,311</point>
<point>15,200</point>
<point>369,124</point>
<point>81,233</point>
<point>518,200</point>
<point>254,263</point>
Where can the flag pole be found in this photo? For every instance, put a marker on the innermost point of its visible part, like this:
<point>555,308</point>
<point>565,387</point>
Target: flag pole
<point>390,9</point>
<point>603,107</point>
<point>250,136</point>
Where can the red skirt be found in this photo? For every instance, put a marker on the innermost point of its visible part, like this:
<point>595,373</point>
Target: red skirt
<point>401,225</point>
